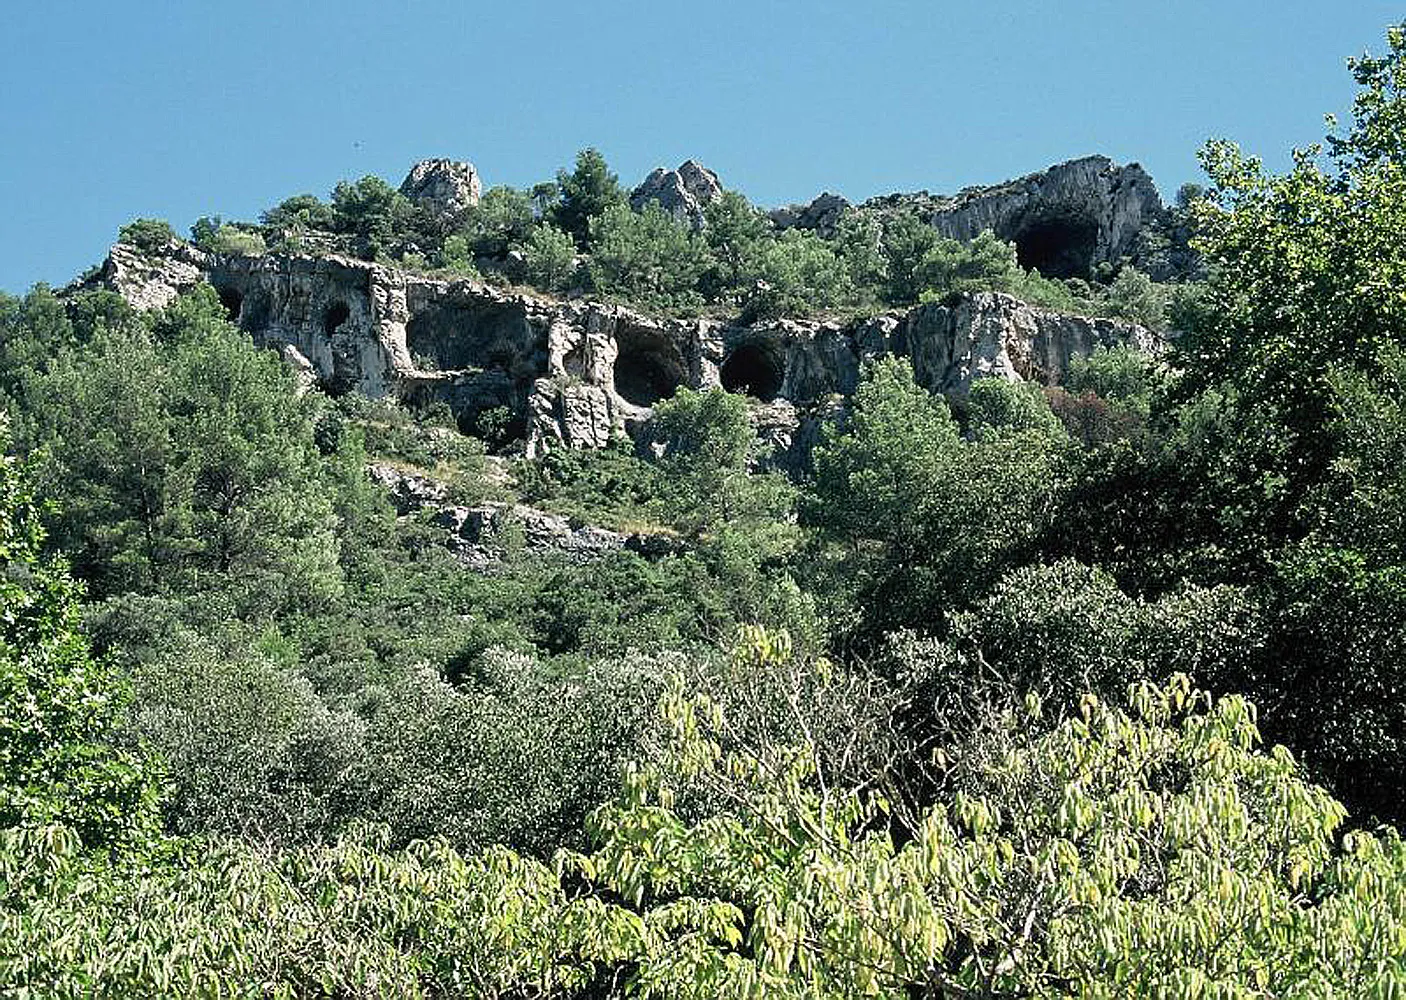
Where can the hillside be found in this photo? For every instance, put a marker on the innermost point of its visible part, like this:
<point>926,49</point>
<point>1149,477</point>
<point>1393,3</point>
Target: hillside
<point>581,593</point>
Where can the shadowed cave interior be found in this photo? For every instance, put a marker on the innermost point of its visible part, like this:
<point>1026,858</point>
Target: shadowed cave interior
<point>753,371</point>
<point>1058,246</point>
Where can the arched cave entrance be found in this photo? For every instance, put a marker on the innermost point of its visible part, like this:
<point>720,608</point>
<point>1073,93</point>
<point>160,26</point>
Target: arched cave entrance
<point>232,301</point>
<point>1058,247</point>
<point>752,371</point>
<point>336,314</point>
<point>644,375</point>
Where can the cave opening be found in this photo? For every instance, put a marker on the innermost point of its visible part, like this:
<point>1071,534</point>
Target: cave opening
<point>643,377</point>
<point>752,371</point>
<point>1061,247</point>
<point>334,317</point>
<point>233,303</point>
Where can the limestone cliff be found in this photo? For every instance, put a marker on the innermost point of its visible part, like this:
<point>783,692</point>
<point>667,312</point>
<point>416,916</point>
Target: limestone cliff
<point>576,372</point>
<point>1063,221</point>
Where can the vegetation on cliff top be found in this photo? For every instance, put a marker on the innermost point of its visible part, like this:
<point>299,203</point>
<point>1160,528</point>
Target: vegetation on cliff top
<point>578,234</point>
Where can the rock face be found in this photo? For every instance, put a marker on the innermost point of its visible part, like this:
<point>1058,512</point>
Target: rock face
<point>150,280</point>
<point>578,373</point>
<point>442,187</point>
<point>1063,221</point>
<point>683,193</point>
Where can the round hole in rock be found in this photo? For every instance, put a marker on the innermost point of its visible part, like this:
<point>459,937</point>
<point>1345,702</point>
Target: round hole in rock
<point>752,371</point>
<point>644,378</point>
<point>1058,247</point>
<point>334,317</point>
<point>232,301</point>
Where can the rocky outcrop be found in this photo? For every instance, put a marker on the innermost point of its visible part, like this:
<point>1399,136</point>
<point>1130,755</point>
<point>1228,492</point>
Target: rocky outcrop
<point>444,188</point>
<point>683,193</point>
<point>1064,221</point>
<point>579,373</point>
<point>480,533</point>
<point>990,335</point>
<point>821,216</point>
<point>150,280</point>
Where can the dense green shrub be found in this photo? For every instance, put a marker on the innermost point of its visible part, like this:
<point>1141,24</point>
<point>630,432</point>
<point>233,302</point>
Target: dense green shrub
<point>646,257</point>
<point>147,234</point>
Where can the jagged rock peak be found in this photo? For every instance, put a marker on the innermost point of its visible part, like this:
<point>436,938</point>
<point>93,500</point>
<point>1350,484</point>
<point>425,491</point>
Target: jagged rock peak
<point>442,187</point>
<point>683,193</point>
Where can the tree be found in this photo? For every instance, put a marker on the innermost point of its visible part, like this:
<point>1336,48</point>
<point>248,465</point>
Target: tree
<point>794,274</point>
<point>550,258</point>
<point>1134,296</point>
<point>859,242</point>
<point>1256,478</point>
<point>906,240</point>
<point>502,220</point>
<point>185,460</point>
<point>372,209</point>
<point>61,762</point>
<point>912,519</point>
<point>995,405</point>
<point>732,228</point>
<point>585,193</point>
<point>1137,847</point>
<point>212,234</point>
<point>147,234</point>
<point>300,213</point>
<point>985,263</point>
<point>646,257</point>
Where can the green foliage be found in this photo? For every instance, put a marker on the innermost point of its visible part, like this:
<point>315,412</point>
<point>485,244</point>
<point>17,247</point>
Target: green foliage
<point>1108,395</point>
<point>584,194</point>
<point>550,258</point>
<point>373,210</point>
<point>295,217</point>
<point>733,229</point>
<point>60,763</point>
<point>983,264</point>
<point>354,920</point>
<point>612,485</point>
<point>913,518</point>
<point>147,234</point>
<point>859,242</point>
<point>906,240</point>
<point>501,221</point>
<point>1120,372</point>
<point>994,405</point>
<point>248,747</point>
<point>179,453</point>
<point>1134,296</point>
<point>796,273</point>
<point>514,753</point>
<point>648,257</point>
<point>456,255</point>
<point>1150,850</point>
<point>216,236</point>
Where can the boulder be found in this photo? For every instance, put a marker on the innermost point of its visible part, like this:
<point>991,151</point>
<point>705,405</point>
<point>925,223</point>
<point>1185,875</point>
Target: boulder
<point>821,216</point>
<point>683,193</point>
<point>444,188</point>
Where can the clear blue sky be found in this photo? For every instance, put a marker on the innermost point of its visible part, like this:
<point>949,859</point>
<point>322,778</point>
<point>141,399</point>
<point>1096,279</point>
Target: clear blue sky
<point>118,109</point>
